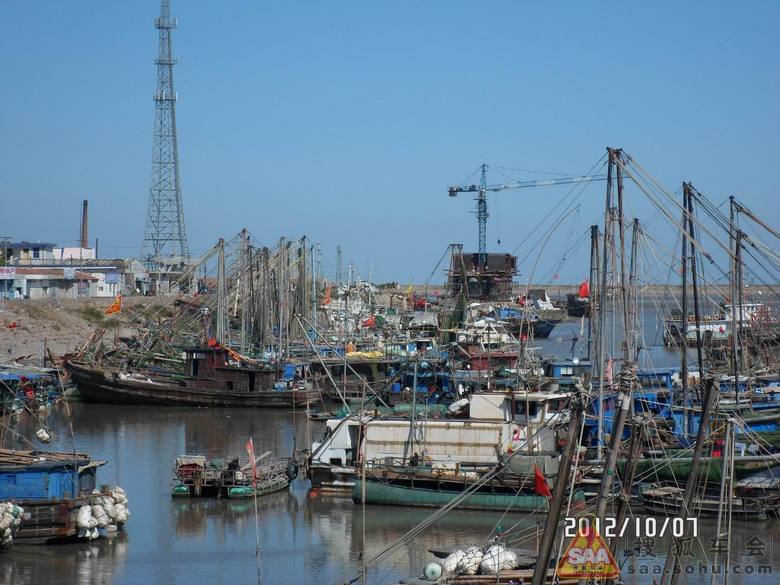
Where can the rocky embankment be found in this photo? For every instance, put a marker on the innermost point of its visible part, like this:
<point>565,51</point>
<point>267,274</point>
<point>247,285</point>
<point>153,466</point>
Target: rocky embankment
<point>31,328</point>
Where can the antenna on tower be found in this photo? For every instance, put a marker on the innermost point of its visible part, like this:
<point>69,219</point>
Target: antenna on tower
<point>165,247</point>
<point>339,272</point>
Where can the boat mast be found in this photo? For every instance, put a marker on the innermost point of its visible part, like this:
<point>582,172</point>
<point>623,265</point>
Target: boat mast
<point>221,301</point>
<point>603,307</point>
<point>690,486</point>
<point>633,326</point>
<point>280,300</point>
<point>741,312</point>
<point>314,285</point>
<point>694,278</point>
<point>725,501</point>
<point>627,372</point>
<point>287,298</point>
<point>413,417</point>
<point>559,491</point>
<point>266,315</point>
<point>244,288</point>
<point>624,293</point>
<point>684,340</point>
<point>734,245</point>
<point>593,282</point>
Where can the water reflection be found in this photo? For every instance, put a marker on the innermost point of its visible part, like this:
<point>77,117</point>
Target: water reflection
<point>79,564</point>
<point>304,538</point>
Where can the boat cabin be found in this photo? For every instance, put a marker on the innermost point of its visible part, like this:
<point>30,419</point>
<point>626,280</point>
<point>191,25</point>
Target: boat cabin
<point>201,362</point>
<point>211,365</point>
<point>37,475</point>
<point>567,368</point>
<point>518,407</point>
<point>337,446</point>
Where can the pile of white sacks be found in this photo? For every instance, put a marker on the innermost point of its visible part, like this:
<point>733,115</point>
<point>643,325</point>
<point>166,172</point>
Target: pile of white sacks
<point>473,560</point>
<point>10,519</point>
<point>105,510</point>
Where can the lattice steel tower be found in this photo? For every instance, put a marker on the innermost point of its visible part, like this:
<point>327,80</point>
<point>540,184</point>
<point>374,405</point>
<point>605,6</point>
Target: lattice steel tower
<point>165,238</point>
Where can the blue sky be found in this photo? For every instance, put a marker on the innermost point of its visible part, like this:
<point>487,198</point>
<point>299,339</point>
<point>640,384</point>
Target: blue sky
<point>347,121</point>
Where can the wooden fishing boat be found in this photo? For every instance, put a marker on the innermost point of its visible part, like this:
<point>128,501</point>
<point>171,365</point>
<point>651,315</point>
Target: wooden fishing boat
<point>666,500</point>
<point>208,380</point>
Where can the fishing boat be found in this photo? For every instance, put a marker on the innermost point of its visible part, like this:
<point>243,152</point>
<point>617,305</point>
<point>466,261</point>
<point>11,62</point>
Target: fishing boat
<point>27,387</point>
<point>210,378</point>
<point>231,478</point>
<point>667,500</point>
<point>395,483</point>
<point>58,492</point>
<point>497,423</point>
<point>716,328</point>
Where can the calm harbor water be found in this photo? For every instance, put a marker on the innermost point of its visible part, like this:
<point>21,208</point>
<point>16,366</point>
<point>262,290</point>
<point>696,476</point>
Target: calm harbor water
<point>305,537</point>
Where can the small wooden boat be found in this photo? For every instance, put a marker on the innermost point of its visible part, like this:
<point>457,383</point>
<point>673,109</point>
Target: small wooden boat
<point>231,478</point>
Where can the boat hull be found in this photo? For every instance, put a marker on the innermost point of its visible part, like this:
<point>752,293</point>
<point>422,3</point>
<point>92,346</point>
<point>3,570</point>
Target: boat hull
<point>331,478</point>
<point>672,469</point>
<point>668,501</point>
<point>109,388</point>
<point>398,495</point>
<point>48,521</point>
<point>262,489</point>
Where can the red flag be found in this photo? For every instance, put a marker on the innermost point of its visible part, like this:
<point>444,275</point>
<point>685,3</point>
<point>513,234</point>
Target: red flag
<point>584,291</point>
<point>250,449</point>
<point>116,306</point>
<point>13,325</point>
<point>540,484</point>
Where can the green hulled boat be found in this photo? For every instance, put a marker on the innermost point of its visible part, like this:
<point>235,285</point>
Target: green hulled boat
<point>402,495</point>
<point>263,487</point>
<point>231,478</point>
<point>678,468</point>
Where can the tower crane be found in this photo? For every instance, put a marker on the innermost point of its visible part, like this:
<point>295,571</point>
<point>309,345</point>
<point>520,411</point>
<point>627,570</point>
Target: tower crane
<point>483,188</point>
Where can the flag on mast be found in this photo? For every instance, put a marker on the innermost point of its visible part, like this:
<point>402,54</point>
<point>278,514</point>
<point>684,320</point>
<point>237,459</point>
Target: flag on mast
<point>540,483</point>
<point>116,306</point>
<point>250,449</point>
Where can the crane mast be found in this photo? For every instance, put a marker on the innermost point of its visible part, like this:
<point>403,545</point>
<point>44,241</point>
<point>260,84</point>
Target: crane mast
<point>483,188</point>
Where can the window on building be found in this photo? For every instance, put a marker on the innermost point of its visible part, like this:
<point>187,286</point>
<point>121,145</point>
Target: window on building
<point>36,252</point>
